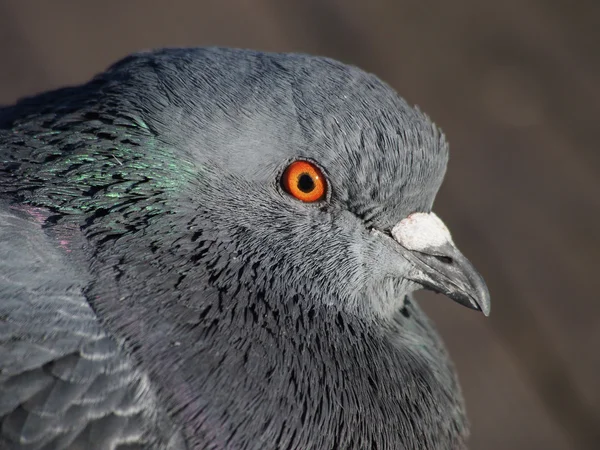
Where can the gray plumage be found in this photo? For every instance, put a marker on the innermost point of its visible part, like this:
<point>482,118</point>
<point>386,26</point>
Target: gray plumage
<point>159,289</point>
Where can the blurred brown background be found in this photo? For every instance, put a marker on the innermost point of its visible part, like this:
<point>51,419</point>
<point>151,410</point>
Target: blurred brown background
<point>513,83</point>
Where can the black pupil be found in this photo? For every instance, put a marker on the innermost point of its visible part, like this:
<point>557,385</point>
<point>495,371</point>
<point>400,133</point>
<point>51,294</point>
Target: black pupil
<point>306,183</point>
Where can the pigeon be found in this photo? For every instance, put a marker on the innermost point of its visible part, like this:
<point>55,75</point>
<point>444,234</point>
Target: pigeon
<point>211,248</point>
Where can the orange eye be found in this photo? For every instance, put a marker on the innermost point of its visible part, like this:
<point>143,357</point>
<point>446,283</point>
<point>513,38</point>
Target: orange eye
<point>304,181</point>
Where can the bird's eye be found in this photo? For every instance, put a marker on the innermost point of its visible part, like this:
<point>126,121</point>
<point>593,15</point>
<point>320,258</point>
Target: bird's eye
<point>304,181</point>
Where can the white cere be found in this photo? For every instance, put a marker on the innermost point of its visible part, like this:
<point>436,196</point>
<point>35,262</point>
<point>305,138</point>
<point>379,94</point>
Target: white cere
<point>421,231</point>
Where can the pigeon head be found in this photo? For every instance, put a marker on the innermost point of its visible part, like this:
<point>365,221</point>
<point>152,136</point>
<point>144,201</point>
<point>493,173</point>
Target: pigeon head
<point>253,225</point>
<point>238,121</point>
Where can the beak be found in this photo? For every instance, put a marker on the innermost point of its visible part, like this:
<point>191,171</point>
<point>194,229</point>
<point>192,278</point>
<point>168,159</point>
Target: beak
<point>437,263</point>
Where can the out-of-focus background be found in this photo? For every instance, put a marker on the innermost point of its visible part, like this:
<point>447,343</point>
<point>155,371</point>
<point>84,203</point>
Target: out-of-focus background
<point>515,86</point>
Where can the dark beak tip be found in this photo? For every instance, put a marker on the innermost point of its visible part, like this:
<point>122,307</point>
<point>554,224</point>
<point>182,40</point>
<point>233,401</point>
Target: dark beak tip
<point>484,301</point>
<point>485,309</point>
<point>480,302</point>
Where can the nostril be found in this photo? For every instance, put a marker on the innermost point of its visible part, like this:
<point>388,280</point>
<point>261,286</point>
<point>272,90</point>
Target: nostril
<point>444,259</point>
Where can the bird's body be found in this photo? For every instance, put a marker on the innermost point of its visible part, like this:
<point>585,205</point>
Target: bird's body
<point>159,289</point>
